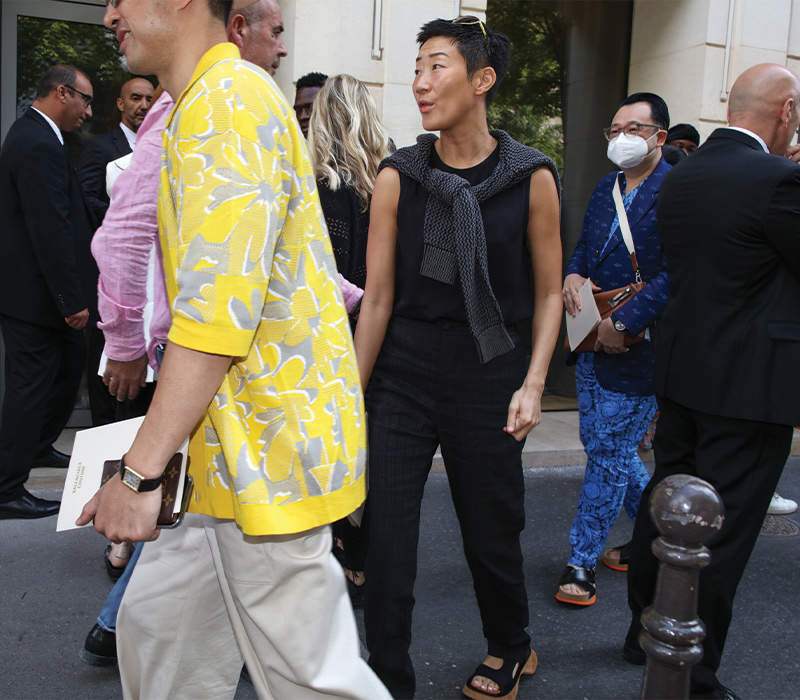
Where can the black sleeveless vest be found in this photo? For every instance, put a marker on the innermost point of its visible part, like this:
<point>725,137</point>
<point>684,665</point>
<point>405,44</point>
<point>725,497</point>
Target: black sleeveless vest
<point>505,221</point>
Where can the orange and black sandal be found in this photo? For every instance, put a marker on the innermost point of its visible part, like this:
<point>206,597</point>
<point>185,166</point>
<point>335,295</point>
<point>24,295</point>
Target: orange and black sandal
<point>617,557</point>
<point>507,678</point>
<point>583,578</point>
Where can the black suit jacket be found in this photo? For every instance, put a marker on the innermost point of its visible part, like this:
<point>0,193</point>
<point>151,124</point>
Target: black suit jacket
<point>96,154</point>
<point>729,340</point>
<point>47,271</point>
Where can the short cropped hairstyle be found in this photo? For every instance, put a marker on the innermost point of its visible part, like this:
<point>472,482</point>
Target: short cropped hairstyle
<point>658,108</point>
<point>492,51</point>
<point>60,74</point>
<point>220,9</point>
<point>311,80</point>
<point>253,14</point>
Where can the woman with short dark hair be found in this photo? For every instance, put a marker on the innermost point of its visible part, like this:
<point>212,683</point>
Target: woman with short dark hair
<point>461,228</point>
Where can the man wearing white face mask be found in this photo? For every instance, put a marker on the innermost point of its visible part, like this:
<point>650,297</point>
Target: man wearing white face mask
<point>616,397</point>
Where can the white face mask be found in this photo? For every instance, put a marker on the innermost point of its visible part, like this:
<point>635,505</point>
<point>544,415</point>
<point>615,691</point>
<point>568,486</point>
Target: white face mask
<point>628,151</point>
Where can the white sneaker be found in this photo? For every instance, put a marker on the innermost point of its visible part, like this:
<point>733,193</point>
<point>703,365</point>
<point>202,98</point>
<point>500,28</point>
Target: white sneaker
<point>781,506</point>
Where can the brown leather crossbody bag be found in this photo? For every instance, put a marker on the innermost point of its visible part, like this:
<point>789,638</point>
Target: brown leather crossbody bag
<point>610,300</point>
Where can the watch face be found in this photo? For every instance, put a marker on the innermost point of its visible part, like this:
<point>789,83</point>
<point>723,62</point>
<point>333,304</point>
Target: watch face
<point>619,325</point>
<point>131,480</point>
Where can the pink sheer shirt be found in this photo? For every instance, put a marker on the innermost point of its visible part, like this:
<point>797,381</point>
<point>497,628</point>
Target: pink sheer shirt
<point>122,247</point>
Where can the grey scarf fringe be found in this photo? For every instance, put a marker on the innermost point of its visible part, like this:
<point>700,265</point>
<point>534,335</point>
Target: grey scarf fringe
<point>455,241</point>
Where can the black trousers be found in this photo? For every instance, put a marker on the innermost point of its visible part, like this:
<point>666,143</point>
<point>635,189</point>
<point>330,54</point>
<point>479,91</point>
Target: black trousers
<point>42,375</point>
<point>104,407</point>
<point>743,461</point>
<point>428,389</point>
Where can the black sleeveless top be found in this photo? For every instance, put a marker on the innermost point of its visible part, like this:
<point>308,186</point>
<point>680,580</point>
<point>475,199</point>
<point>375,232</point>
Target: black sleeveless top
<point>505,222</point>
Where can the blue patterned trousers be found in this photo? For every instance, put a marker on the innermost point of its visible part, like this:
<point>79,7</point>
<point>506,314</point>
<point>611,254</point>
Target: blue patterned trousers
<point>611,425</point>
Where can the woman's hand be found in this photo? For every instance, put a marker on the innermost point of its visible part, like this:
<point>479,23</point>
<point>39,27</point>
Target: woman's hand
<point>524,412</point>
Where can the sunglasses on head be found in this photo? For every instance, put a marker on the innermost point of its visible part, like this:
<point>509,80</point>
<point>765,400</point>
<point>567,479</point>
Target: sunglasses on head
<point>469,19</point>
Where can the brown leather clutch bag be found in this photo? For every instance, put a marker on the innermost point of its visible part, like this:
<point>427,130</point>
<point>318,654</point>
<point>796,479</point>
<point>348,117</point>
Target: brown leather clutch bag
<point>607,303</point>
<point>167,517</point>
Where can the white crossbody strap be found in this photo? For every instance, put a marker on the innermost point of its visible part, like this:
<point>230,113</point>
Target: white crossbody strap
<point>625,228</point>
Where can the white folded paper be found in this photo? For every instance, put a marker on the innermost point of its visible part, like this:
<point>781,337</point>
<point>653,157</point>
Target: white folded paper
<point>586,320</point>
<point>92,448</point>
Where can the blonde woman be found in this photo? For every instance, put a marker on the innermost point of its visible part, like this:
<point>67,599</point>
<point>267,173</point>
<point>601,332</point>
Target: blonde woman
<point>347,142</point>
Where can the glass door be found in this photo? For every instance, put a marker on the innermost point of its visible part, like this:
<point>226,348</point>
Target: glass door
<point>39,33</point>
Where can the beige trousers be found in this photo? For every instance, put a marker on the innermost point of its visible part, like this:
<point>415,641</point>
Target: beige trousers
<point>205,598</point>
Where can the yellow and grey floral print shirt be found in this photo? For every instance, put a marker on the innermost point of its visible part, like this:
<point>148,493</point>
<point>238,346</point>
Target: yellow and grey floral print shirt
<point>250,273</point>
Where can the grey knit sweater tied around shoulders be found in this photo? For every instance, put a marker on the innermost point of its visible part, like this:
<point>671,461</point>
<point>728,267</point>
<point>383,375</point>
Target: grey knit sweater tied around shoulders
<point>454,238</point>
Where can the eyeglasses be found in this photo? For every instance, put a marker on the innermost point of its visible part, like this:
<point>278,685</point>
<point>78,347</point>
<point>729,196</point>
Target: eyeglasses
<point>87,99</point>
<point>631,129</point>
<point>113,3</point>
<point>469,19</point>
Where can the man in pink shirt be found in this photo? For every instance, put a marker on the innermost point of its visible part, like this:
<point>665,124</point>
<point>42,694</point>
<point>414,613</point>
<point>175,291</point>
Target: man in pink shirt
<point>123,247</point>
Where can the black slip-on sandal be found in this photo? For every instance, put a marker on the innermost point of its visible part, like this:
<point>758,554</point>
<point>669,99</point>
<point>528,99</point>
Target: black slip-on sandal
<point>584,578</point>
<point>507,678</point>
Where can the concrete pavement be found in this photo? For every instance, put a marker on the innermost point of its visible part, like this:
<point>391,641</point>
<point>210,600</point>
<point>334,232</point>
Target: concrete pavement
<point>52,587</point>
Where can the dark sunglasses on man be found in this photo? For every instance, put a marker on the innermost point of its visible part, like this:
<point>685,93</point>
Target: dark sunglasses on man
<point>87,99</point>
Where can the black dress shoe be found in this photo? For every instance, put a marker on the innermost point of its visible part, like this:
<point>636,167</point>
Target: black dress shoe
<point>100,648</point>
<point>51,458</point>
<point>28,506</point>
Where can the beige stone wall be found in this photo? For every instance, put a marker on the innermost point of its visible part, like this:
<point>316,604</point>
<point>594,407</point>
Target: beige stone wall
<point>336,36</point>
<point>678,50</point>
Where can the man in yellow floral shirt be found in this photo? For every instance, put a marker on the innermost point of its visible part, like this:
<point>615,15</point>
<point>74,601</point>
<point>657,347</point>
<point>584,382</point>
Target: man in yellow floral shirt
<point>260,370</point>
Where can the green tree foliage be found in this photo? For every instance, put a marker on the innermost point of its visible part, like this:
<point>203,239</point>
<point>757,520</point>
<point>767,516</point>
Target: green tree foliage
<point>42,43</point>
<point>528,104</point>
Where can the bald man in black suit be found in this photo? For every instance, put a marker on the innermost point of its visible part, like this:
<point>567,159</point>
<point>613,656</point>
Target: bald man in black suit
<point>728,355</point>
<point>135,97</point>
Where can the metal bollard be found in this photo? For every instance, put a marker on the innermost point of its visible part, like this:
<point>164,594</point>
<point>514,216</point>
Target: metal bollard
<point>687,512</point>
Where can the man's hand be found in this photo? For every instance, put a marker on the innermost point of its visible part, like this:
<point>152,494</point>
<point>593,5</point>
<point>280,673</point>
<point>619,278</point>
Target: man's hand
<point>124,379</point>
<point>571,292</point>
<point>609,339</point>
<point>793,153</point>
<point>121,514</point>
<point>78,320</point>
<point>524,412</point>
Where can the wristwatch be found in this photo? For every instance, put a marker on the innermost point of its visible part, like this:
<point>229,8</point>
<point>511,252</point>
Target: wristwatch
<point>135,481</point>
<point>620,326</point>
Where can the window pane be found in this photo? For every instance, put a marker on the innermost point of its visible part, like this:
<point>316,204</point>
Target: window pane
<point>91,48</point>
